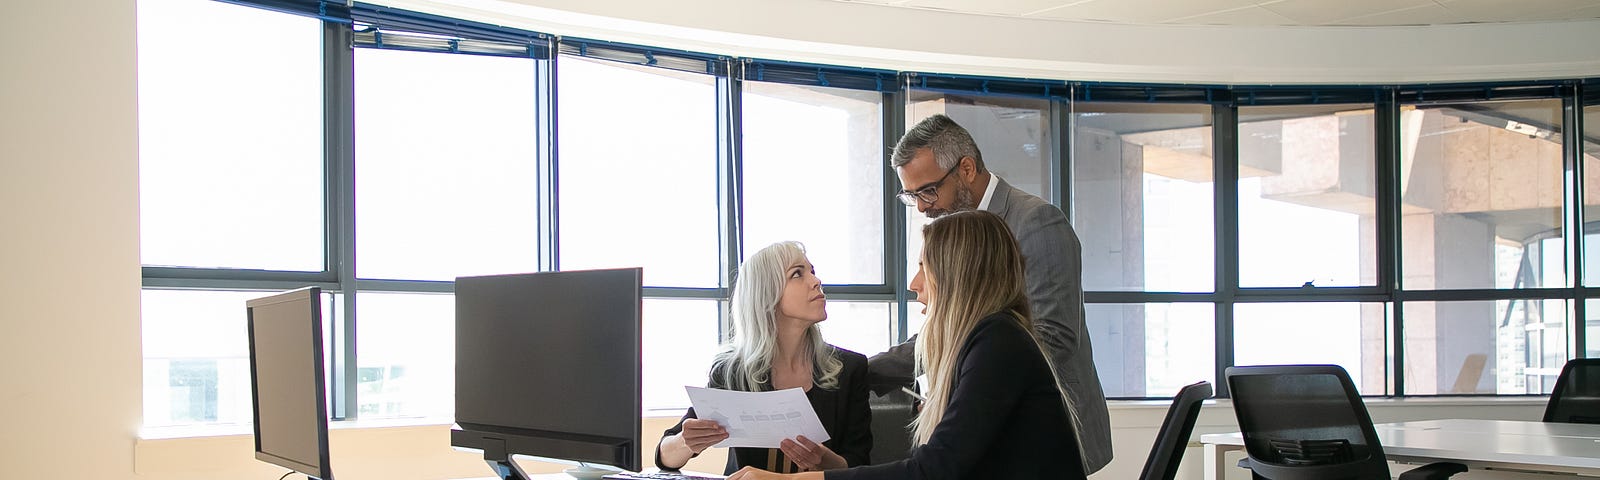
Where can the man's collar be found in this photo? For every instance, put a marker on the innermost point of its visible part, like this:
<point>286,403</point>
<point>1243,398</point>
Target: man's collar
<point>988,192</point>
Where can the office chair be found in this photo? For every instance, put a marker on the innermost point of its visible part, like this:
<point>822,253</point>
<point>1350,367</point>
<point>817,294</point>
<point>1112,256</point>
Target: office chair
<point>1576,398</point>
<point>1303,422</point>
<point>891,421</point>
<point>1174,436</point>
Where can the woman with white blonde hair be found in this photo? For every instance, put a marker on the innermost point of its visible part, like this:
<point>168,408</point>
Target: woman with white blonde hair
<point>776,345</point>
<point>993,408</point>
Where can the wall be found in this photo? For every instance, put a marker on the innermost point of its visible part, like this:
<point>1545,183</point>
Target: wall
<point>69,250</point>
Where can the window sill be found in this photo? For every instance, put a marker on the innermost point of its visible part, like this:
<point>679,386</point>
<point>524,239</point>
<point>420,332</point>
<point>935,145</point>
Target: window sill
<point>244,429</point>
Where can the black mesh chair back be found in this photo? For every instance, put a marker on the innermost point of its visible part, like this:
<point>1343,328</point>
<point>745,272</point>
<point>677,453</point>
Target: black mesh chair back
<point>1305,422</point>
<point>1308,422</point>
<point>1175,430</point>
<point>1576,398</point>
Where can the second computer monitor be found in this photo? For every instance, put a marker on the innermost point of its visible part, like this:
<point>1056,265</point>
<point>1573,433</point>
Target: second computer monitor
<point>548,365</point>
<point>288,389</point>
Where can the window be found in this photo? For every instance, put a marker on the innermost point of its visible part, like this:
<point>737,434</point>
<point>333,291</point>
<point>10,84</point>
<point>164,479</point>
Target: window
<point>1350,335</point>
<point>446,160</point>
<point>1152,349</point>
<point>680,342</point>
<point>1307,197</point>
<point>405,363</point>
<point>1590,151</point>
<point>1142,197</point>
<point>1486,347</point>
<point>197,355</point>
<point>638,171</point>
<point>230,137</point>
<point>813,172</point>
<point>1481,191</point>
<point>862,327</point>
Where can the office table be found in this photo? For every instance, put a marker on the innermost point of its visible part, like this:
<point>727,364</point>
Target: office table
<point>1567,448</point>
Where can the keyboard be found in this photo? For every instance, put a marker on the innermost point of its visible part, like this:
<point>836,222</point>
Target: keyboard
<point>657,476</point>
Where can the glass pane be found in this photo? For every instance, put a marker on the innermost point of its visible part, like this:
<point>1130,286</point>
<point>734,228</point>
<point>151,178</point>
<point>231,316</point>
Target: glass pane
<point>1350,335</point>
<point>1142,196</point>
<point>1013,134</point>
<point>1591,196</point>
<point>1307,209</point>
<point>825,191</point>
<point>230,137</point>
<point>638,171</point>
<point>1153,349</point>
<point>866,328</point>
<point>1481,186</point>
<point>680,340</point>
<point>406,355</point>
<point>1591,327</point>
<point>197,356</point>
<point>1485,347</point>
<point>446,158</point>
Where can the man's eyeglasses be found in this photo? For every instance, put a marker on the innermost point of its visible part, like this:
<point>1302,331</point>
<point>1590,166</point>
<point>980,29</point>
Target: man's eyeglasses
<point>929,193</point>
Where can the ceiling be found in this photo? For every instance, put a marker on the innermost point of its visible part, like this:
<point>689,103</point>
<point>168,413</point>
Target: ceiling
<point>1268,12</point>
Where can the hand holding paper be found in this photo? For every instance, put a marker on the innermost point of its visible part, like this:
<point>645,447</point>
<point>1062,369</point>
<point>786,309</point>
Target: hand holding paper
<point>758,419</point>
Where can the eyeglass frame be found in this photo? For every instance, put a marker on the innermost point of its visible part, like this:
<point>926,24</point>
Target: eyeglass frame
<point>928,193</point>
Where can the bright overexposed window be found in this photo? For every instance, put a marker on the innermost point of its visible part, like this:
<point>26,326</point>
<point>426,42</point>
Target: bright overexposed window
<point>405,362</point>
<point>1484,347</point>
<point>1350,335</point>
<point>680,341</point>
<point>230,137</point>
<point>1142,189</point>
<point>638,171</point>
<point>1307,196</point>
<point>197,355</point>
<point>813,173</point>
<point>1152,349</point>
<point>446,165</point>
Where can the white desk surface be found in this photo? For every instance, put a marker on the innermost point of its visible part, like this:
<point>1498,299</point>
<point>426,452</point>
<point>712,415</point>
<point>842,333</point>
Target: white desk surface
<point>1494,444</point>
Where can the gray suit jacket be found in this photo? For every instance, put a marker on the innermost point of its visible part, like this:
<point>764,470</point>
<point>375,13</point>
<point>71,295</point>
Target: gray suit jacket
<point>1054,264</point>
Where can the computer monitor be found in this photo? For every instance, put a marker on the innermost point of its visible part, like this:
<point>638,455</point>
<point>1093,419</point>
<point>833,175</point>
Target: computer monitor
<point>548,365</point>
<point>287,382</point>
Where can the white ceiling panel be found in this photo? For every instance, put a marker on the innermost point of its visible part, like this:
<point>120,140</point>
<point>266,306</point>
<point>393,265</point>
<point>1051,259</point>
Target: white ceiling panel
<point>1268,12</point>
<point>1252,15</point>
<point>1328,12</point>
<point>1430,14</point>
<point>1505,11</point>
<point>1142,11</point>
<point>992,7</point>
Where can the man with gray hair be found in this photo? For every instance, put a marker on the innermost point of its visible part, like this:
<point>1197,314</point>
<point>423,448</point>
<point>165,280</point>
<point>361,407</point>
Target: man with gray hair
<point>942,172</point>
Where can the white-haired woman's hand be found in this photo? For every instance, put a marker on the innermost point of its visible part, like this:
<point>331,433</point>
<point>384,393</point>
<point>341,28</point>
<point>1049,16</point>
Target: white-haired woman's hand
<point>699,434</point>
<point>810,456</point>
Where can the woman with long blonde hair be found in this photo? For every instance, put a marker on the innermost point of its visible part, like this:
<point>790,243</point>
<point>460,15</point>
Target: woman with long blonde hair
<point>776,306</point>
<point>993,408</point>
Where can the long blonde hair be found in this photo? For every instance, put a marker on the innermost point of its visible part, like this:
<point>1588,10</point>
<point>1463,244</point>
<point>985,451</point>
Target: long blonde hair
<point>745,361</point>
<point>973,268</point>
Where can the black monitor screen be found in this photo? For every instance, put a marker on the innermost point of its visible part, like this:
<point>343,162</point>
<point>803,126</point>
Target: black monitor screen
<point>286,379</point>
<point>547,365</point>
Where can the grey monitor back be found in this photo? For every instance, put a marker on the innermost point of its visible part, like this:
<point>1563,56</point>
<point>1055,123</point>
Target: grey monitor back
<point>548,365</point>
<point>288,390</point>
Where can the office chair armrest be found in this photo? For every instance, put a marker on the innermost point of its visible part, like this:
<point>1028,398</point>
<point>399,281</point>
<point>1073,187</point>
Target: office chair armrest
<point>1434,471</point>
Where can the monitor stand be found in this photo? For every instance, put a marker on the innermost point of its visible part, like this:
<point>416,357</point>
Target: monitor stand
<point>494,453</point>
<point>588,472</point>
<point>507,470</point>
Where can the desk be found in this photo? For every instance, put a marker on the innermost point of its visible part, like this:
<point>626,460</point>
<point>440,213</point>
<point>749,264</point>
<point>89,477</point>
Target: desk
<point>1479,444</point>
